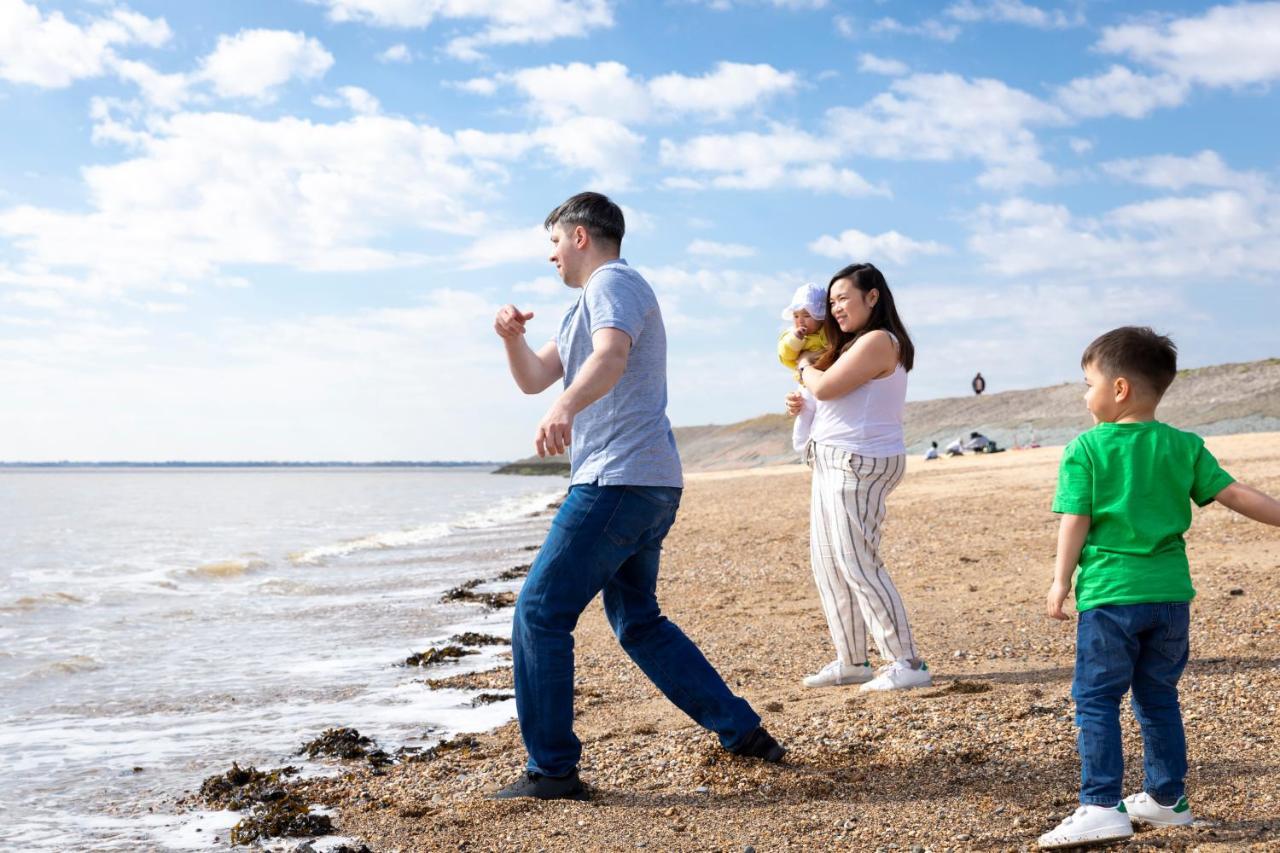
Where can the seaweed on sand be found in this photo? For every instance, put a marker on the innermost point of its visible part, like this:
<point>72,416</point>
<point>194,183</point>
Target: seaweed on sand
<point>437,655</point>
<point>515,572</point>
<point>242,787</point>
<point>467,745</point>
<point>492,600</point>
<point>288,817</point>
<point>471,638</point>
<point>490,698</point>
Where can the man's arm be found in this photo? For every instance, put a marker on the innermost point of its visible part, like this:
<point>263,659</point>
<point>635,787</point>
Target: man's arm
<point>1250,503</point>
<point>599,373</point>
<point>534,372</point>
<point>1071,535</point>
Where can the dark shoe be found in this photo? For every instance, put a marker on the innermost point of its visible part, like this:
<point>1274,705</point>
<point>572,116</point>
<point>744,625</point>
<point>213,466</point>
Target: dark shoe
<point>541,787</point>
<point>760,744</point>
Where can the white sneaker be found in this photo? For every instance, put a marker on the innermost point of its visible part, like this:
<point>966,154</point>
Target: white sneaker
<point>1145,808</point>
<point>1089,825</point>
<point>899,675</point>
<point>836,673</point>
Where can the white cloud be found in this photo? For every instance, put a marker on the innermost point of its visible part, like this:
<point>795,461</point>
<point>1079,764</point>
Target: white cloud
<point>1168,172</point>
<point>859,245</point>
<point>1120,91</point>
<point>947,117</point>
<point>360,100</point>
<point>783,157</point>
<point>712,249</point>
<point>1222,235</point>
<point>204,191</point>
<point>610,90</point>
<point>1080,145</point>
<point>502,22</point>
<point>396,53</point>
<point>50,52</point>
<point>255,63</point>
<point>1012,12</point>
<point>1232,45</point>
<point>731,87</point>
<point>510,246</point>
<point>872,64</point>
<point>601,146</point>
<point>928,28</point>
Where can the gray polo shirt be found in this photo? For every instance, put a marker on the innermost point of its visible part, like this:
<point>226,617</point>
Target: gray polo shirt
<point>624,438</point>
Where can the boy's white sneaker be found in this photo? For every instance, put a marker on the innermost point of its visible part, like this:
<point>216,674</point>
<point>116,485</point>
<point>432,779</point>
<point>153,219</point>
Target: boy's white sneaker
<point>899,675</point>
<point>1089,825</point>
<point>1145,808</point>
<point>836,673</point>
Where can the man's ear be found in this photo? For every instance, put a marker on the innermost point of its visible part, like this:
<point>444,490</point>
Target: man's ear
<point>581,238</point>
<point>1123,389</point>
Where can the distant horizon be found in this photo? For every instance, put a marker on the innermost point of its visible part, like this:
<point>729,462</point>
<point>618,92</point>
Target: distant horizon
<point>469,463</point>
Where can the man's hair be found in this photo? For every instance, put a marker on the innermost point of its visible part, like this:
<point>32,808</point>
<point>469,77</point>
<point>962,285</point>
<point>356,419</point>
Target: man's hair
<point>594,212</point>
<point>1138,354</point>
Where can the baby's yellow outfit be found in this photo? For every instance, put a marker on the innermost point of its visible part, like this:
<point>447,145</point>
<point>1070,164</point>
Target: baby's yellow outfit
<point>789,348</point>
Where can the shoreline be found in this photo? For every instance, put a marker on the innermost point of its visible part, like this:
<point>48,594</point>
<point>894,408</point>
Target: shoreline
<point>987,752</point>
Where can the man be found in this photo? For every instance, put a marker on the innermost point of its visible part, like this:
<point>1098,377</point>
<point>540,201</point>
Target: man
<point>979,384</point>
<point>624,490</point>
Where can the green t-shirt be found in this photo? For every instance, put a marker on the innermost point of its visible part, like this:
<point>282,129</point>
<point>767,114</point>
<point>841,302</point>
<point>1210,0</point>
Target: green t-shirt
<point>1137,482</point>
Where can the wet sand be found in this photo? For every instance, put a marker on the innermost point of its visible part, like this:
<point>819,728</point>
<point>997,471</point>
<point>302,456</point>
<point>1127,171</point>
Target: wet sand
<point>985,759</point>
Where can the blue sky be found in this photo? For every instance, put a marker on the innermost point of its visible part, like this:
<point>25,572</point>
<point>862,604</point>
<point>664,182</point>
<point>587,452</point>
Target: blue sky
<point>280,230</point>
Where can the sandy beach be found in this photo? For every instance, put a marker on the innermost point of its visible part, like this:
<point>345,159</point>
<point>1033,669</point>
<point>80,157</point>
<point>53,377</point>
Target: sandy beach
<point>985,759</point>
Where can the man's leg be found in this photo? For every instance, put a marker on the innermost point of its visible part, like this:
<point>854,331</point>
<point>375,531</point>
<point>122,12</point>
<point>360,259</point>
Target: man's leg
<point>661,650</point>
<point>572,566</point>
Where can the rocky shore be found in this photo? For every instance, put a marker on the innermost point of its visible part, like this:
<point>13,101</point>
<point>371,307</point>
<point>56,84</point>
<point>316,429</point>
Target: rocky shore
<point>983,760</point>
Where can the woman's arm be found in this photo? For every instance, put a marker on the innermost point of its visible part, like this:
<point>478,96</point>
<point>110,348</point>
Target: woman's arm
<point>872,356</point>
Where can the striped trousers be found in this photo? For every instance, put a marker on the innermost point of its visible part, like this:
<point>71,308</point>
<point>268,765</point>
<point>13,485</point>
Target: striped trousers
<point>845,515</point>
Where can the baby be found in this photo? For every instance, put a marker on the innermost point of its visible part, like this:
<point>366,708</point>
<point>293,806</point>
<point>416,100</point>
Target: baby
<point>806,313</point>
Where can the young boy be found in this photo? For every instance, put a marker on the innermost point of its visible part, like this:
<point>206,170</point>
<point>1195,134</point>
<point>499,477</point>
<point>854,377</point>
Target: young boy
<point>806,312</point>
<point>1124,492</point>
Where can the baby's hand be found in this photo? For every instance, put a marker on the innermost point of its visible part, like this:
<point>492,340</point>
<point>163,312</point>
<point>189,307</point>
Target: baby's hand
<point>798,333</point>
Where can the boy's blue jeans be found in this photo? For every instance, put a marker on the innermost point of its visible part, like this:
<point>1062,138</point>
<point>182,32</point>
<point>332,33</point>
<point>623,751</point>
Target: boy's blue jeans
<point>608,538</point>
<point>1143,647</point>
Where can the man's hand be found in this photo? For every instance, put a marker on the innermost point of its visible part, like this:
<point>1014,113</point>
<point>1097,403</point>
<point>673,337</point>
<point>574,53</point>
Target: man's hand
<point>1053,602</point>
<point>510,322</point>
<point>555,432</point>
<point>795,403</point>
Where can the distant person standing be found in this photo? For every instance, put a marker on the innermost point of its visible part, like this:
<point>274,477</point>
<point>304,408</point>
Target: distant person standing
<point>624,489</point>
<point>979,384</point>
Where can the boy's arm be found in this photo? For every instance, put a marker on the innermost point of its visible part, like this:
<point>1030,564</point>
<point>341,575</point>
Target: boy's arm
<point>1071,535</point>
<point>1250,503</point>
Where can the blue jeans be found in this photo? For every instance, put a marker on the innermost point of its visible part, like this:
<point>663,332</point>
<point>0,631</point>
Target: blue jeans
<point>608,538</point>
<point>1143,647</point>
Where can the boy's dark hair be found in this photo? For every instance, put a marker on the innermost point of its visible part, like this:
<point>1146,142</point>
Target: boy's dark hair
<point>1138,354</point>
<point>594,212</point>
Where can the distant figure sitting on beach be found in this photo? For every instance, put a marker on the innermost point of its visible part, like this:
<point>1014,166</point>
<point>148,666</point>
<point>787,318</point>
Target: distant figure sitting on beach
<point>977,443</point>
<point>932,452</point>
<point>979,384</point>
<point>1125,490</point>
<point>806,337</point>
<point>624,489</point>
<point>858,453</point>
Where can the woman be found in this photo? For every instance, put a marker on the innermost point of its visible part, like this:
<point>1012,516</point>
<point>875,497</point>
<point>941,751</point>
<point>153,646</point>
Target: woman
<point>858,387</point>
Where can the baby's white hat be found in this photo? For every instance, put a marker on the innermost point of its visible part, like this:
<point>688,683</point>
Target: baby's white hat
<point>810,297</point>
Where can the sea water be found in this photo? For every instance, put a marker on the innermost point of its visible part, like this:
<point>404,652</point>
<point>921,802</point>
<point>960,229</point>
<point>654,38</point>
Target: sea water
<point>157,624</point>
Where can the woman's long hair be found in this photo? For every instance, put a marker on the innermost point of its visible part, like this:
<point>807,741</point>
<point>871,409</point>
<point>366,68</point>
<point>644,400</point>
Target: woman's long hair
<point>884,315</point>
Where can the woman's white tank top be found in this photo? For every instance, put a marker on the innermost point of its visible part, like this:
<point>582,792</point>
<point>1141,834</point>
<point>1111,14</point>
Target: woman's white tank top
<point>868,420</point>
